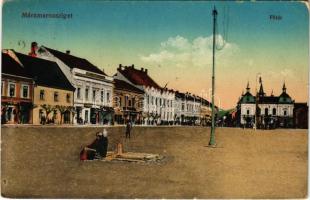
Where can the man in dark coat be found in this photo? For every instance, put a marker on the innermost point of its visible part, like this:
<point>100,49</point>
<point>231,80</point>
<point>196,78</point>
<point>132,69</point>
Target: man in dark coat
<point>128,129</point>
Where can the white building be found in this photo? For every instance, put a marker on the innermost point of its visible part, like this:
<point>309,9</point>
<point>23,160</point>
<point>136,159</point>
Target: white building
<point>188,108</point>
<point>93,88</point>
<point>271,111</point>
<point>158,103</point>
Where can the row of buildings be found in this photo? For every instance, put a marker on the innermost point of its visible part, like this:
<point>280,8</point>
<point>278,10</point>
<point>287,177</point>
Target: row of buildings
<point>50,86</point>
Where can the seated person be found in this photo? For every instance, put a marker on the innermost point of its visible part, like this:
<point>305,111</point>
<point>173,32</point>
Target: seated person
<point>97,149</point>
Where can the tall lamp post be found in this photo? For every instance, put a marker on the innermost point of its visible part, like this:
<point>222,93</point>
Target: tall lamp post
<point>212,136</point>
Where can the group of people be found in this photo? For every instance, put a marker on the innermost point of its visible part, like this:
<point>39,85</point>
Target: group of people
<point>99,147</point>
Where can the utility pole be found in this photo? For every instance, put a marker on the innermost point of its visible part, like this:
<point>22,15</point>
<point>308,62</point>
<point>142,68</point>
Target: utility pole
<point>212,136</point>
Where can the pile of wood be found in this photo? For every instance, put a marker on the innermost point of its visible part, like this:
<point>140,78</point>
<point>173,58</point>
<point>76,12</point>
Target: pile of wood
<point>133,157</point>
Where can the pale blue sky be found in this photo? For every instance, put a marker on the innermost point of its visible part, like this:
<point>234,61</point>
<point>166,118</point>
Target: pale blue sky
<point>111,32</point>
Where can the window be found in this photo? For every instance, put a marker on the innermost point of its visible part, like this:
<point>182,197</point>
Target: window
<point>183,106</point>
<point>148,99</point>
<point>152,100</point>
<point>129,103</point>
<point>55,96</point>
<point>86,94</point>
<point>160,102</point>
<point>2,85</point>
<point>266,111</point>
<point>94,95</point>
<point>285,112</point>
<point>42,95</point>
<point>102,96</point>
<point>108,97</point>
<point>68,97</point>
<point>156,101</point>
<point>247,112</point>
<point>274,111</point>
<point>12,89</point>
<point>78,95</point>
<point>133,102</point>
<point>126,101</point>
<point>25,91</point>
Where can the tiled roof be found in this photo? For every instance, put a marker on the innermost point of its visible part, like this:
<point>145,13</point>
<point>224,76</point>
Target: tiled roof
<point>123,85</point>
<point>44,72</point>
<point>138,77</point>
<point>75,62</point>
<point>10,66</point>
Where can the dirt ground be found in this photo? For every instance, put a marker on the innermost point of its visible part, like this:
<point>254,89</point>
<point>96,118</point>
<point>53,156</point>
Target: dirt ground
<point>44,162</point>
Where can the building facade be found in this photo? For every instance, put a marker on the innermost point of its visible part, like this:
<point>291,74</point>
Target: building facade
<point>128,102</point>
<point>52,93</point>
<point>16,91</point>
<point>93,97</point>
<point>158,102</point>
<point>264,111</point>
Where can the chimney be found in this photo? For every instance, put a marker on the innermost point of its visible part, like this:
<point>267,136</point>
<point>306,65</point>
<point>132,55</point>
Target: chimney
<point>68,52</point>
<point>132,66</point>
<point>142,69</point>
<point>120,66</point>
<point>146,71</point>
<point>33,50</point>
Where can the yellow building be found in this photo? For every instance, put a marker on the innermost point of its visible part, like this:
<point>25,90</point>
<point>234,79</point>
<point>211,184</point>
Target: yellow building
<point>53,93</point>
<point>128,102</point>
<point>56,101</point>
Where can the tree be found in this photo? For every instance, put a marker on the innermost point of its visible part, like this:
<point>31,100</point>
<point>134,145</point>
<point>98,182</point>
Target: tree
<point>73,111</point>
<point>48,109</point>
<point>62,110</point>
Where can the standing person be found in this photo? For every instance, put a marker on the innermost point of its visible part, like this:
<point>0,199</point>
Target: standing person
<point>128,129</point>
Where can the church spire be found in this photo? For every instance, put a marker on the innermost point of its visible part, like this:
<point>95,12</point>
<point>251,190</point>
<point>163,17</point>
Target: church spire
<point>284,87</point>
<point>248,87</point>
<point>261,89</point>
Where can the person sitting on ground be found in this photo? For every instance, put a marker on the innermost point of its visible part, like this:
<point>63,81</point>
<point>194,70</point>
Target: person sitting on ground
<point>97,149</point>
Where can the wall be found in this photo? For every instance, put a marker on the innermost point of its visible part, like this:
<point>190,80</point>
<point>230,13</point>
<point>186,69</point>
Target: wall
<point>49,100</point>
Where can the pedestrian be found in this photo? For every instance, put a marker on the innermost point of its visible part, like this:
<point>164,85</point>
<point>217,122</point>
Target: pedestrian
<point>128,129</point>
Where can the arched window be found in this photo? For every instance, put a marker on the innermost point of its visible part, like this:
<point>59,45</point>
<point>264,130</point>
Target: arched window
<point>266,111</point>
<point>247,111</point>
<point>274,111</point>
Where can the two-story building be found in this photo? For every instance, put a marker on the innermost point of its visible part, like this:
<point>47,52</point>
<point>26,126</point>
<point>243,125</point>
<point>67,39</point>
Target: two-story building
<point>265,111</point>
<point>158,102</point>
<point>53,93</point>
<point>128,102</point>
<point>16,90</point>
<point>93,97</point>
<point>188,108</point>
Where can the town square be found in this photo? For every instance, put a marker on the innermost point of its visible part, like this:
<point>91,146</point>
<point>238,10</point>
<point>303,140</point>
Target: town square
<point>176,99</point>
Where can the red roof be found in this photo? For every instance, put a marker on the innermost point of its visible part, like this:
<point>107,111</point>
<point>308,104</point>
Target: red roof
<point>138,77</point>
